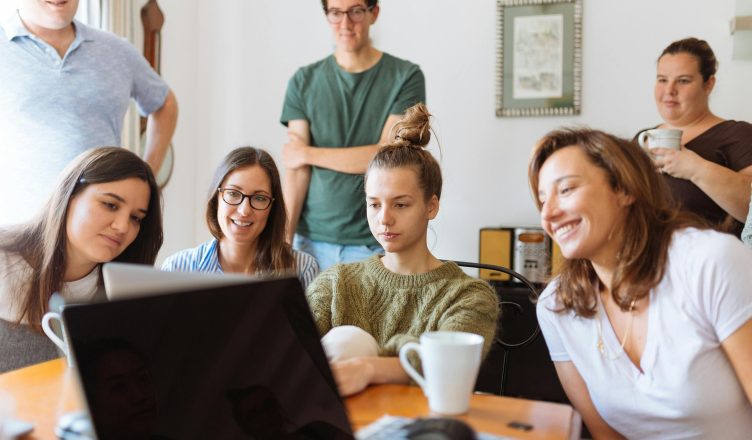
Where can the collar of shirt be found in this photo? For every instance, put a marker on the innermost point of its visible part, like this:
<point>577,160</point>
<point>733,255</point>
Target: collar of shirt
<point>14,27</point>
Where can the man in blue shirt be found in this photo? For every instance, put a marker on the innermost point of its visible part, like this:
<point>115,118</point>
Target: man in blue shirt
<point>65,88</point>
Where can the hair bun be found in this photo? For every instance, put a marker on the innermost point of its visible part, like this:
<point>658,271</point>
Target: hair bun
<point>414,130</point>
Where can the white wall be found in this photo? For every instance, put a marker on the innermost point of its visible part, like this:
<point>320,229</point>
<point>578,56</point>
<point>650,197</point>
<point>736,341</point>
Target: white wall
<point>180,68</point>
<point>229,62</point>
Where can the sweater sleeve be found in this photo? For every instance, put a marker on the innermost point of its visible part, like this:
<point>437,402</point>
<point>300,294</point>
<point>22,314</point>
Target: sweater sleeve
<point>320,293</point>
<point>472,308</point>
<point>476,310</point>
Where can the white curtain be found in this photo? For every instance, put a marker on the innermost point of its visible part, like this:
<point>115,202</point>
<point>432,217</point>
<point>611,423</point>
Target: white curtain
<point>123,18</point>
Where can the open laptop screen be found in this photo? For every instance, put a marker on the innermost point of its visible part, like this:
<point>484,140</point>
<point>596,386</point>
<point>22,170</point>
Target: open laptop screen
<point>240,361</point>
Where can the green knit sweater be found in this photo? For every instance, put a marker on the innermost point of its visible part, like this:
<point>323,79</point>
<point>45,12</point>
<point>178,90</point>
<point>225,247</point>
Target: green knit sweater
<point>396,309</point>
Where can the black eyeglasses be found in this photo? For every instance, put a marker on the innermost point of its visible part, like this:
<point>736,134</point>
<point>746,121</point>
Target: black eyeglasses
<point>356,14</point>
<point>259,202</point>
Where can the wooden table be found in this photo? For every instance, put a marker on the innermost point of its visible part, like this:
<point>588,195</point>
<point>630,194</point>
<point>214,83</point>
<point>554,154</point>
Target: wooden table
<point>44,392</point>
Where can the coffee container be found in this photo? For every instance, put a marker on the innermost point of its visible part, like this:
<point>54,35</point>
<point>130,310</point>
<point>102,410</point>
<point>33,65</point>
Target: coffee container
<point>531,254</point>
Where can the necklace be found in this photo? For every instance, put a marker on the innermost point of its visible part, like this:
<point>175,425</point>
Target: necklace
<point>602,347</point>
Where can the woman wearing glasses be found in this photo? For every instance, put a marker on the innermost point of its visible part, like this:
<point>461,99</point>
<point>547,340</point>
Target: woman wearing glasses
<point>245,212</point>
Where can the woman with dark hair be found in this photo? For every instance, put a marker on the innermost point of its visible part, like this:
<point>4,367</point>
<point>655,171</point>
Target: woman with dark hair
<point>711,174</point>
<point>106,208</point>
<point>649,321</point>
<point>245,212</point>
<point>367,311</point>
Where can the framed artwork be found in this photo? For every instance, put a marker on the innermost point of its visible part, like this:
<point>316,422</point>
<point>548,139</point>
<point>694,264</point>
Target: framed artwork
<point>538,57</point>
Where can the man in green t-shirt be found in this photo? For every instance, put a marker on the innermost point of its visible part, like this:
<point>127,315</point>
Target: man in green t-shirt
<point>338,110</point>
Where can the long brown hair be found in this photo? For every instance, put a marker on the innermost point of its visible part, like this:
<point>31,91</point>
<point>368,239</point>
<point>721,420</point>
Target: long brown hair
<point>650,221</point>
<point>42,241</point>
<point>409,138</point>
<point>273,254</point>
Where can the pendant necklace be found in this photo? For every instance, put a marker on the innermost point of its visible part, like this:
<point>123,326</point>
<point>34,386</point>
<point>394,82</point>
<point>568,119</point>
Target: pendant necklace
<point>602,346</point>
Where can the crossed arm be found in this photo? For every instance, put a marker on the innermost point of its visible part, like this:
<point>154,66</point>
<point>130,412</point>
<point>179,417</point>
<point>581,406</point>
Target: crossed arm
<point>298,156</point>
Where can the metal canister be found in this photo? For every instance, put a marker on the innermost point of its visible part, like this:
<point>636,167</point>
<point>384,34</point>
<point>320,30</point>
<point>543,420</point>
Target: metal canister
<point>531,254</point>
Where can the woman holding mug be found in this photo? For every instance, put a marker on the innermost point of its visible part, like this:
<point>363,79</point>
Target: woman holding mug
<point>711,174</point>
<point>367,311</point>
<point>245,212</point>
<point>106,207</point>
<point>649,321</point>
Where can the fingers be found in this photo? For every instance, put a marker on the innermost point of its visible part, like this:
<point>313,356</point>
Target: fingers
<point>662,151</point>
<point>348,376</point>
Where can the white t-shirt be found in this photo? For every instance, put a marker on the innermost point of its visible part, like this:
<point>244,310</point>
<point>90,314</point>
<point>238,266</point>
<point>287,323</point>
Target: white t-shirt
<point>14,274</point>
<point>688,388</point>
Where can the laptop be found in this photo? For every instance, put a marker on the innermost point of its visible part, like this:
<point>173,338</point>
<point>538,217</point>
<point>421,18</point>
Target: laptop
<point>127,280</point>
<point>234,361</point>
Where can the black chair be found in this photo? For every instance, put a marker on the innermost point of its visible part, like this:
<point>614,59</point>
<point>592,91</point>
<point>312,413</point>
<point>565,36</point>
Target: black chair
<point>488,370</point>
<point>529,372</point>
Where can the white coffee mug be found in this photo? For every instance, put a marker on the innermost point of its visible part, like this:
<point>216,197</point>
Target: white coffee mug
<point>660,138</point>
<point>450,363</point>
<point>62,343</point>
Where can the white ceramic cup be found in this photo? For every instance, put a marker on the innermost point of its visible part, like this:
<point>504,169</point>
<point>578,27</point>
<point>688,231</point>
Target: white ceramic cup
<point>660,138</point>
<point>450,363</point>
<point>62,343</point>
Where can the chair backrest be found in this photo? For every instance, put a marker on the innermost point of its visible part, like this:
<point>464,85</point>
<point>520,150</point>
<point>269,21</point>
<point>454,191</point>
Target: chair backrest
<point>533,299</point>
<point>528,372</point>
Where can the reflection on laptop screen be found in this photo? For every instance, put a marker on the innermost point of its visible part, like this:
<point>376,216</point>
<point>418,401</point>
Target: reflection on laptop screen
<point>231,362</point>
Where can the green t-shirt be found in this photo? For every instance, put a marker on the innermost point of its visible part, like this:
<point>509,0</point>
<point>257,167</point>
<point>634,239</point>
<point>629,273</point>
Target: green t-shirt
<point>346,110</point>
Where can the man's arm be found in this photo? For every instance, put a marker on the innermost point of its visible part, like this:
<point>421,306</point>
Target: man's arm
<point>160,126</point>
<point>299,153</point>
<point>296,179</point>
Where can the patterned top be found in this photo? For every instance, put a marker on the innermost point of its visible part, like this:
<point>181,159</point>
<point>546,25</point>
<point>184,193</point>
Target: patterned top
<point>204,258</point>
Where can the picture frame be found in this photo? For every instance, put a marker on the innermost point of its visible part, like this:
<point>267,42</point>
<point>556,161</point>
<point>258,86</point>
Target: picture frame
<point>538,58</point>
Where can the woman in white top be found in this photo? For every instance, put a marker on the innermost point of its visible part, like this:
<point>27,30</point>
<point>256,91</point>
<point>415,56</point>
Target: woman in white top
<point>649,321</point>
<point>106,207</point>
<point>245,212</point>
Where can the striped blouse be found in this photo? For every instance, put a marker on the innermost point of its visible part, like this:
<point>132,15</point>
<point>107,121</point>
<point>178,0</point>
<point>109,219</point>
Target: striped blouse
<point>204,258</point>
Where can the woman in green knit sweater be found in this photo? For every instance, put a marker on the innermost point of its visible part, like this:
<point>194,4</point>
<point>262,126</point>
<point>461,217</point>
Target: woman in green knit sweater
<point>367,311</point>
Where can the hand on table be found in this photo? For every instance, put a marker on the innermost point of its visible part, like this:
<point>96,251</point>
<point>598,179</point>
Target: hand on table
<point>352,375</point>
